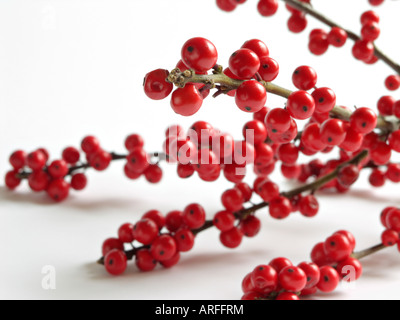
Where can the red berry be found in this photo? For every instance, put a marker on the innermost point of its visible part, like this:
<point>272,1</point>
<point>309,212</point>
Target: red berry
<point>138,160</point>
<point>226,5</point>
<point>58,190</point>
<point>184,240</point>
<point>264,278</point>
<point>280,208</point>
<point>186,101</point>
<point>90,145</point>
<point>163,248</point>
<point>304,78</point>
<point>174,220</point>
<point>363,50</point>
<point>297,22</point>
<point>145,261</point>
<point>171,262</point>
<point>251,96</point>
<point>375,2</point>
<point>156,85</point>
<point>134,141</point>
<point>318,44</point>
<point>392,82</point>
<point>325,99</point>
<point>337,247</point>
<point>258,47</point>
<point>349,237</point>
<point>278,120</point>
<point>199,54</point>
<point>58,169</point>
<point>267,8</point>
<point>287,296</point>
<point>349,269</point>
<point>250,227</point>
<point>311,137</point>
<point>269,69</point>
<point>309,206</point>
<point>386,105</point>
<point>224,220</point>
<point>18,159</point>
<point>245,189</point>
<point>377,178</point>
<point>78,181</point>
<point>156,216</point>
<point>384,215</point>
<point>268,191</point>
<point>381,153</point>
<point>231,238</point>
<point>185,170</point>
<point>393,172</point>
<point>11,180</point>
<point>317,32</point>
<point>363,120</point>
<point>153,173</point>
<point>244,63</point>
<point>133,175</point>
<point>100,160</point>
<point>280,263</point>
<point>333,132</point>
<point>111,244</point>
<point>292,279</point>
<point>71,155</point>
<point>369,16</point>
<point>38,181</point>
<point>232,200</point>
<point>329,279</point>
<point>390,237</point>
<point>393,220</point>
<point>337,37</point>
<point>255,132</point>
<point>312,272</point>
<point>145,231</point>
<point>288,153</point>
<point>318,255</point>
<point>36,160</point>
<point>301,105</point>
<point>348,174</point>
<point>115,262</point>
<point>125,233</point>
<point>194,216</point>
<point>352,142</point>
<point>370,31</point>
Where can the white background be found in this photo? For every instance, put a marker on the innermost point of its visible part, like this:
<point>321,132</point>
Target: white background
<point>74,67</point>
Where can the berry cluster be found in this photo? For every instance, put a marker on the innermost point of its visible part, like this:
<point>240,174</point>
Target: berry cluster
<point>281,280</point>
<point>390,219</point>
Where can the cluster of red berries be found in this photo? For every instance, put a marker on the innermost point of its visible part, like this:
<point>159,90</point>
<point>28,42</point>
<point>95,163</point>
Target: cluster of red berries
<point>390,219</point>
<point>155,239</point>
<point>281,280</point>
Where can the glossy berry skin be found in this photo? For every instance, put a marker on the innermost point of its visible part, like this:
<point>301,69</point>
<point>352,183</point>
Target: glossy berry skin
<point>384,215</point>
<point>278,120</point>
<point>194,216</point>
<point>287,296</point>
<point>156,86</point>
<point>288,153</point>
<point>280,208</point>
<point>171,262</point>
<point>38,181</point>
<point>258,47</point>
<point>269,69</point>
<point>157,217</point>
<point>185,170</point>
<point>71,155</point>
<point>333,132</point>
<point>337,247</point>
<point>232,200</point>
<point>309,206</point>
<point>153,173</point>
<point>58,190</point>
<point>244,63</point>
<point>348,175</point>
<point>145,231</point>
<point>381,153</point>
<point>292,279</point>
<point>145,261</point>
<point>11,180</point>
<point>392,82</point>
<point>125,233</point>
<point>369,16</point>
<point>231,238</point>
<point>111,244</point>
<point>363,120</point>
<point>390,237</point>
<point>199,54</point>
<point>134,141</point>
<point>393,172</point>
<point>58,169</point>
<point>352,141</point>
<point>301,105</point>
<point>250,227</point>
<point>163,248</point>
<point>184,239</point>
<point>255,131</point>
<point>377,178</point>
<point>90,145</point>
<point>349,269</point>
<point>337,37</point>
<point>304,78</point>
<point>385,105</point>
<point>36,160</point>
<point>393,220</point>
<point>18,159</point>
<point>370,31</point>
<point>138,160</point>
<point>264,278</point>
<point>174,220</point>
<point>375,2</point>
<point>100,160</point>
<point>79,181</point>
<point>224,220</point>
<point>115,262</point>
<point>297,22</point>
<point>226,5</point>
<point>312,273</point>
<point>363,50</point>
<point>324,98</point>
<point>268,191</point>
<point>267,8</point>
<point>311,137</point>
<point>318,44</point>
<point>329,279</point>
<point>251,96</point>
<point>394,140</point>
<point>186,101</point>
<point>280,263</point>
<point>318,255</point>
<point>245,189</point>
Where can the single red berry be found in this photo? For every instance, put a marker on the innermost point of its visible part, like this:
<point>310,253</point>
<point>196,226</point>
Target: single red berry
<point>312,272</point>
<point>194,216</point>
<point>337,247</point>
<point>280,263</point>
<point>317,32</point>
<point>292,279</point>
<point>58,190</point>
<point>115,262</point>
<point>363,50</point>
<point>377,178</point>
<point>251,96</point>
<point>301,105</point>
<point>352,141</point>
<point>71,155</point>
<point>287,296</point>
<point>392,82</point>
<point>393,220</point>
<point>156,216</point>
<point>255,132</point>
<point>185,170</point>
<point>163,248</point>
<point>375,2</point>
<point>250,227</point>
<point>290,171</point>
<point>325,99</point>
<point>38,180</point>
<point>349,237</point>
<point>318,255</point>
<point>384,215</point>
<point>267,8</point>
<point>138,160</point>
<point>174,220</point>
<point>386,105</point>
<point>36,160</point>
<point>297,22</point>
<point>18,159</point>
<point>156,85</point>
<point>78,181</point>
<point>349,269</point>
<point>329,279</point>
<point>247,285</point>
<point>311,137</point>
<point>250,296</point>
<point>90,145</point>
<point>224,220</point>
<point>333,132</point>
<point>309,206</point>
<point>288,153</point>
<point>245,189</point>
<point>101,160</point>
<point>58,169</point>
<point>337,37</point>
<point>125,233</point>
<point>145,261</point>
<point>370,31</point>
<point>264,278</point>
<point>199,54</point>
<point>390,237</point>
<point>268,191</point>
<point>363,120</point>
<point>258,47</point>
<point>243,153</point>
<point>304,78</point>
<point>184,239</point>
<point>171,262</point>
<point>369,16</point>
<point>112,244</point>
<point>231,238</point>
<point>232,200</point>
<point>348,174</point>
<point>269,69</point>
<point>393,172</point>
<point>186,101</point>
<point>280,208</point>
<point>244,63</point>
<point>278,120</point>
<point>134,141</point>
<point>381,153</point>
<point>318,44</point>
<point>145,231</point>
<point>130,174</point>
<point>234,173</point>
<point>11,180</point>
<point>226,5</point>
<point>153,173</point>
